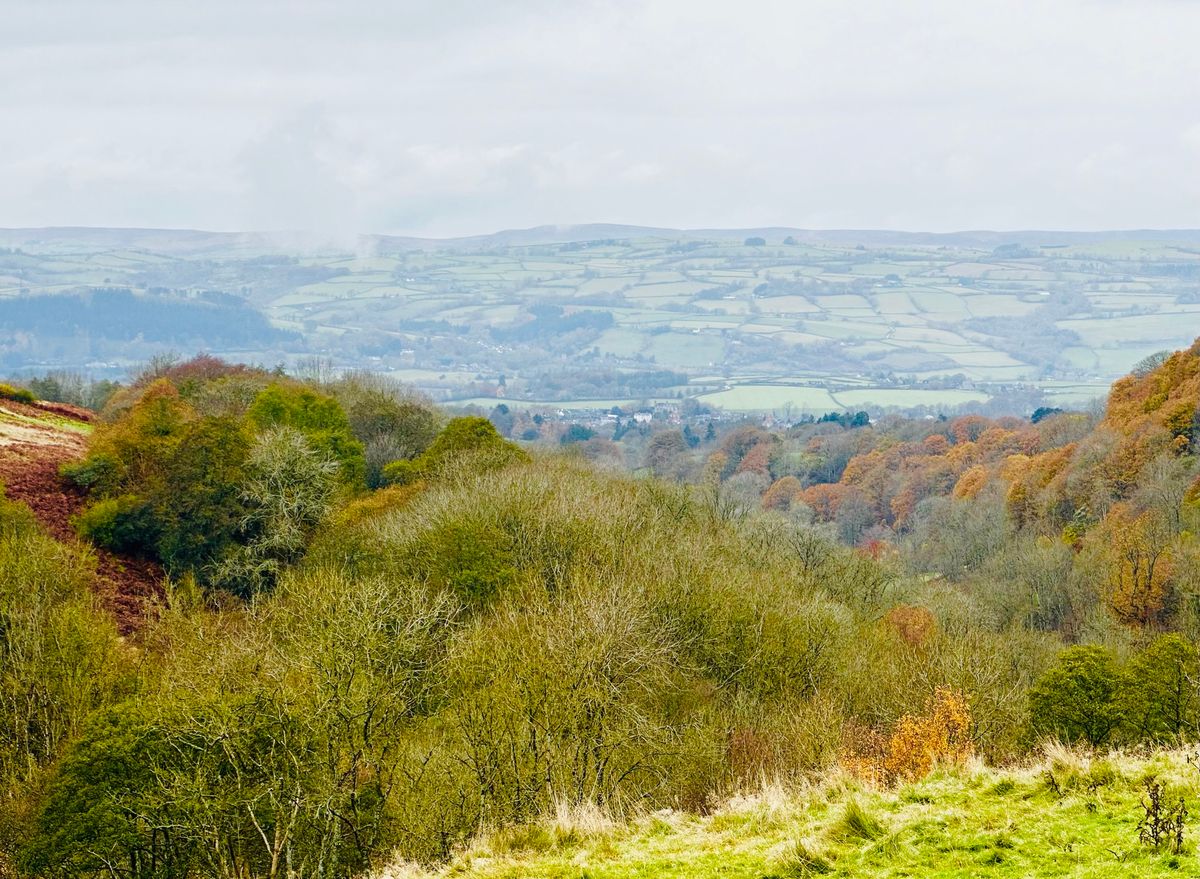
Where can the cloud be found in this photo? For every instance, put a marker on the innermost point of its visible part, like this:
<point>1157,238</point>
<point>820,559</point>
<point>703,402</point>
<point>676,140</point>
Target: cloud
<point>461,116</point>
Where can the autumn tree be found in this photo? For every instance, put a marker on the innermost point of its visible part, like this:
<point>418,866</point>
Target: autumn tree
<point>1134,553</point>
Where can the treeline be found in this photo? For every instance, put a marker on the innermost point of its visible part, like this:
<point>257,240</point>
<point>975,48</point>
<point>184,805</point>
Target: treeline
<point>1079,521</point>
<point>551,321</point>
<point>122,315</point>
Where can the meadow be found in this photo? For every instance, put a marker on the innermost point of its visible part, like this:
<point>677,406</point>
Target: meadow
<point>1068,814</point>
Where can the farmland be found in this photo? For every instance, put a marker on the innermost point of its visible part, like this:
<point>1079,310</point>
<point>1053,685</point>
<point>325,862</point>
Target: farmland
<point>806,321</point>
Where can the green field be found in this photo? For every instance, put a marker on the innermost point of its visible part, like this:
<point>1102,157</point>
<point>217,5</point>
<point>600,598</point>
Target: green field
<point>956,823</point>
<point>972,317</point>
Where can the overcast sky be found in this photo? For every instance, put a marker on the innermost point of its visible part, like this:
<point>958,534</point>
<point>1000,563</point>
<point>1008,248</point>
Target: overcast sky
<point>448,117</point>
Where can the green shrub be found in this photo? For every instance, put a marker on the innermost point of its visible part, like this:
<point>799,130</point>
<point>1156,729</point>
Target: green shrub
<point>318,417</point>
<point>98,805</point>
<point>399,473</point>
<point>1078,698</point>
<point>287,492</point>
<point>97,472</point>
<point>59,656</point>
<point>122,524</point>
<point>390,420</point>
<point>475,563</point>
<point>1159,700</point>
<point>19,395</point>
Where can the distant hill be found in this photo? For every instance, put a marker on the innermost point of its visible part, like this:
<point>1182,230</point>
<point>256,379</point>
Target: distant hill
<point>759,319</point>
<point>181,241</point>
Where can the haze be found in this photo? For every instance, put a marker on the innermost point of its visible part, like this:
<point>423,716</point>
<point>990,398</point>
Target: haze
<point>458,117</point>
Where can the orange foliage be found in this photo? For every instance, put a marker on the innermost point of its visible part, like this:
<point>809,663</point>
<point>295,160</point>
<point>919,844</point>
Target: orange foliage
<point>1193,493</point>
<point>757,460</point>
<point>968,428</point>
<point>1046,478</point>
<point>1152,413</point>
<point>877,549</point>
<point>905,503</point>
<point>971,483</point>
<point>914,625</point>
<point>860,468</point>
<point>936,444</point>
<point>781,494</point>
<point>1138,562</point>
<point>941,734</point>
<point>824,498</point>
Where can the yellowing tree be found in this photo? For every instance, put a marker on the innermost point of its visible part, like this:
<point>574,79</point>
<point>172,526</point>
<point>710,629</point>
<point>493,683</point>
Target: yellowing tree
<point>1135,551</point>
<point>971,483</point>
<point>781,495</point>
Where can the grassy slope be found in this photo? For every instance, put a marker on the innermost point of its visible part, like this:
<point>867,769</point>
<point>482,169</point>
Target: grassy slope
<point>956,823</point>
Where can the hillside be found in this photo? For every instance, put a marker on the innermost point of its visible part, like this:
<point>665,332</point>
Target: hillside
<point>972,821</point>
<point>393,635</point>
<point>36,440</point>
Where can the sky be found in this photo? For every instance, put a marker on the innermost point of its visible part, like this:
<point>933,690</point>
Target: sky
<point>456,117</point>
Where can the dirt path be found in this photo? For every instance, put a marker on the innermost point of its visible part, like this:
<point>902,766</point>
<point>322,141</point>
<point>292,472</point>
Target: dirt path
<point>31,452</point>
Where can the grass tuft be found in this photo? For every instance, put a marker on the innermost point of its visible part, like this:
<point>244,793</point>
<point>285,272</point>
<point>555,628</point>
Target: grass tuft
<point>798,859</point>
<point>857,823</point>
<point>1003,787</point>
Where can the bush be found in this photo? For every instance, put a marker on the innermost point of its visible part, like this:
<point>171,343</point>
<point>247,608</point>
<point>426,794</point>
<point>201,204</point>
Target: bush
<point>288,491</point>
<point>97,472</point>
<point>318,417</point>
<point>124,523</point>
<point>391,421</point>
<point>1078,698</point>
<point>1159,699</point>
<point>466,446</point>
<point>59,661</point>
<point>399,473</point>
<point>18,395</point>
<point>918,742</point>
<point>97,806</point>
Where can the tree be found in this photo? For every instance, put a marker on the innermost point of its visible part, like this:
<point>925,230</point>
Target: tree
<point>576,433</point>
<point>1079,697</point>
<point>666,455</point>
<point>197,515</point>
<point>288,491</point>
<point>1160,695</point>
<point>503,418</point>
<point>782,493</point>
<point>318,417</point>
<point>97,817</point>
<point>1135,553</point>
<point>392,421</point>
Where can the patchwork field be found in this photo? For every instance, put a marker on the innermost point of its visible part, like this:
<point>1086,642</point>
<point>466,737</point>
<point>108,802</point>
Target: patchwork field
<point>553,315</point>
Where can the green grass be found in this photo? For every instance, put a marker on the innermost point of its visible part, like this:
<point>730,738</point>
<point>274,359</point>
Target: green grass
<point>753,397</point>
<point>959,823</point>
<point>46,419</point>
